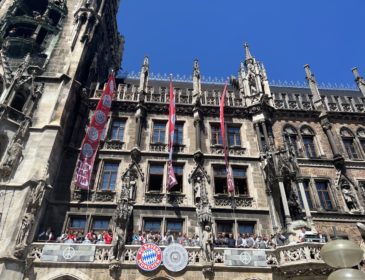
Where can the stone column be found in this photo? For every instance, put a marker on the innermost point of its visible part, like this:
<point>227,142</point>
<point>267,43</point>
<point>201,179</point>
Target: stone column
<point>326,125</point>
<point>140,115</point>
<point>359,81</point>
<point>257,128</point>
<point>308,214</point>
<point>285,202</point>
<point>264,129</point>
<point>197,125</point>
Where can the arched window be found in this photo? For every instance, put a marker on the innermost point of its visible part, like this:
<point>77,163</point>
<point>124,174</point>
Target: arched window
<point>308,142</point>
<point>361,136</point>
<point>348,140</point>
<point>290,136</point>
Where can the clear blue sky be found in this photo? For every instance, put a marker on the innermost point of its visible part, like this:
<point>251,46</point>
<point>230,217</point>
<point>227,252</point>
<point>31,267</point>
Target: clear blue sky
<point>329,35</point>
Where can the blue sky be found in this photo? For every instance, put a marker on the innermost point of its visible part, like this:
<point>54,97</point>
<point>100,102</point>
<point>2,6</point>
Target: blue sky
<point>329,35</point>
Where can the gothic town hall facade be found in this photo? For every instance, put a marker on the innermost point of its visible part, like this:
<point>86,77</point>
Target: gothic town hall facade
<point>296,154</point>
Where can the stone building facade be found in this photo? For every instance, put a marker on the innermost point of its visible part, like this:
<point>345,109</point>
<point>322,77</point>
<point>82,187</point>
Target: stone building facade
<point>297,155</point>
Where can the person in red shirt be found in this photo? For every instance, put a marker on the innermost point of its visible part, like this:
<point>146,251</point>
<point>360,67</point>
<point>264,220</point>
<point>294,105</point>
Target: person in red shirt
<point>108,237</point>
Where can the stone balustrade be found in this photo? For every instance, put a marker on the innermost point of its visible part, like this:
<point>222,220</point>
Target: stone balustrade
<point>284,256</point>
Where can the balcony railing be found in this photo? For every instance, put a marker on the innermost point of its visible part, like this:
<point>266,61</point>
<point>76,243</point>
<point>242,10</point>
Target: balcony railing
<point>284,256</point>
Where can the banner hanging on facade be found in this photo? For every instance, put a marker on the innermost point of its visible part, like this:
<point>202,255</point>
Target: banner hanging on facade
<point>89,147</point>
<point>230,183</point>
<point>171,179</point>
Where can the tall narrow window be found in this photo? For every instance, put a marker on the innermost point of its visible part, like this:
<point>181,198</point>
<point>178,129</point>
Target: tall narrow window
<point>220,179</point>
<point>159,131</point>
<point>155,177</point>
<point>109,176</point>
<point>349,143</point>
<point>216,134</point>
<point>179,171</point>
<point>361,136</point>
<point>324,196</point>
<point>117,130</point>
<point>246,227</point>
<point>308,195</point>
<point>178,133</point>
<point>291,139</point>
<point>240,180</point>
<point>308,142</point>
<point>224,227</point>
<point>234,136</point>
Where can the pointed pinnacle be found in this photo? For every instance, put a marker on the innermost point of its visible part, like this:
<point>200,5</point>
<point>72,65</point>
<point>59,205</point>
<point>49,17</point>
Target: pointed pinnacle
<point>247,51</point>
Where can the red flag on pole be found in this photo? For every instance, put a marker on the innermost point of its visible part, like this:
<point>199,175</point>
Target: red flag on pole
<point>171,180</point>
<point>89,147</point>
<point>230,183</point>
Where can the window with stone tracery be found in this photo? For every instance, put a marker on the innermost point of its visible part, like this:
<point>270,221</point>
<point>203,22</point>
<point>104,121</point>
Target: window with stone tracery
<point>348,140</point>
<point>309,144</point>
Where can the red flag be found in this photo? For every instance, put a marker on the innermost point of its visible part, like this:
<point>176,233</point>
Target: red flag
<point>171,180</point>
<point>89,147</point>
<point>230,183</point>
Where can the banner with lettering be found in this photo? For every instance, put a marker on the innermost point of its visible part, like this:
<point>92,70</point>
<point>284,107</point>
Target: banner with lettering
<point>230,183</point>
<point>90,144</point>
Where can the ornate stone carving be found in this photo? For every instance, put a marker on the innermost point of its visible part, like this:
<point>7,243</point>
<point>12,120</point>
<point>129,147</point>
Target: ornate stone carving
<point>196,84</point>
<point>14,154</point>
<point>153,198</point>
<point>104,196</point>
<point>175,199</point>
<point>113,145</point>
<point>233,201</point>
<point>207,244</point>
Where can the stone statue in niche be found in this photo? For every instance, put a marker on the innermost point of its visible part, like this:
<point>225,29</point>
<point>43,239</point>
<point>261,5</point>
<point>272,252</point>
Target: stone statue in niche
<point>349,196</point>
<point>14,154</point>
<point>197,190</point>
<point>294,207</point>
<point>22,238</point>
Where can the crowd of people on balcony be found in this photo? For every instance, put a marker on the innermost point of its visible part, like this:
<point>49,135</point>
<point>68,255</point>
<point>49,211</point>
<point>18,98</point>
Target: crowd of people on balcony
<point>227,240</point>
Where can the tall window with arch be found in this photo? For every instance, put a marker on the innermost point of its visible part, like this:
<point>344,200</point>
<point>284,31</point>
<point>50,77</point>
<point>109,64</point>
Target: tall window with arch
<point>361,137</point>
<point>290,136</point>
<point>348,140</point>
<point>309,143</point>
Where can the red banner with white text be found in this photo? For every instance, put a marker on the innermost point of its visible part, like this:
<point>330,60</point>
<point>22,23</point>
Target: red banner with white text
<point>90,144</point>
<point>230,183</point>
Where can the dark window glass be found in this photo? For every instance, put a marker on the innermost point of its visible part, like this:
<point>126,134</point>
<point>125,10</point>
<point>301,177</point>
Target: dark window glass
<point>159,130</point>
<point>179,177</point>
<point>224,227</point>
<point>109,176</point>
<point>309,146</point>
<point>246,227</point>
<point>156,177</point>
<point>77,223</point>
<point>234,137</point>
<point>152,225</point>
<point>240,180</point>
<point>350,148</point>
<point>220,179</point>
<point>362,142</point>
<point>324,196</point>
<point>178,133</point>
<point>117,130</point>
<point>216,135</point>
<point>174,226</point>
<point>100,224</point>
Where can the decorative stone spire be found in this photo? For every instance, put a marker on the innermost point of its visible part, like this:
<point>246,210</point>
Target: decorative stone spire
<point>143,79</point>
<point>196,83</point>
<point>247,51</point>
<point>317,100</point>
<point>359,80</point>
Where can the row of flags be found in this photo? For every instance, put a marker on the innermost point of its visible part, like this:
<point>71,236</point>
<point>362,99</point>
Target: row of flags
<point>90,144</point>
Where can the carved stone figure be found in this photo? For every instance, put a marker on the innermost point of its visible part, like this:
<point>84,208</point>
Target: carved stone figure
<point>294,207</point>
<point>14,154</point>
<point>349,197</point>
<point>118,242</point>
<point>197,190</point>
<point>207,244</point>
<point>22,238</point>
<point>143,79</point>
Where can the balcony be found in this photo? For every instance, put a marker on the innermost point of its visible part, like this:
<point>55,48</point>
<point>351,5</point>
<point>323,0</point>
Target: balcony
<point>284,258</point>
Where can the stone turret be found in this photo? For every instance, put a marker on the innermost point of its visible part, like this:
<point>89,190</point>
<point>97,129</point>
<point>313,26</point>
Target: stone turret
<point>359,81</point>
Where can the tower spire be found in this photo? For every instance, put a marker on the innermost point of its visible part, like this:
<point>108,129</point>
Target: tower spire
<point>143,79</point>
<point>317,100</point>
<point>247,51</point>
<point>359,80</point>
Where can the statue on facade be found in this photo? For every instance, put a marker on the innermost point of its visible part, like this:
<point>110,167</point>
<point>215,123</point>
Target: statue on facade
<point>294,207</point>
<point>14,154</point>
<point>207,244</point>
<point>22,238</point>
<point>143,79</point>
<point>196,84</point>
<point>349,197</point>
<point>197,190</point>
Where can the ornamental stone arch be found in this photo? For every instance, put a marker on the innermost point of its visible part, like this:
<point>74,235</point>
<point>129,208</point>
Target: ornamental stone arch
<point>61,274</point>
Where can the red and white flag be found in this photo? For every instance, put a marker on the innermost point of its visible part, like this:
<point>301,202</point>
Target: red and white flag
<point>171,180</point>
<point>230,183</point>
<point>90,144</point>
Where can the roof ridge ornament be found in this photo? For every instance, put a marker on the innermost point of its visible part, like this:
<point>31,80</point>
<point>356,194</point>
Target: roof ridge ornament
<point>247,51</point>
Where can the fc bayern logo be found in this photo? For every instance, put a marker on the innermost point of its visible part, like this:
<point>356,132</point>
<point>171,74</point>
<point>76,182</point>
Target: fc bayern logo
<point>149,257</point>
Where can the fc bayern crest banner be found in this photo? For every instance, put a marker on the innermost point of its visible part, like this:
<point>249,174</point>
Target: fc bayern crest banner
<point>171,179</point>
<point>230,183</point>
<point>89,147</point>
